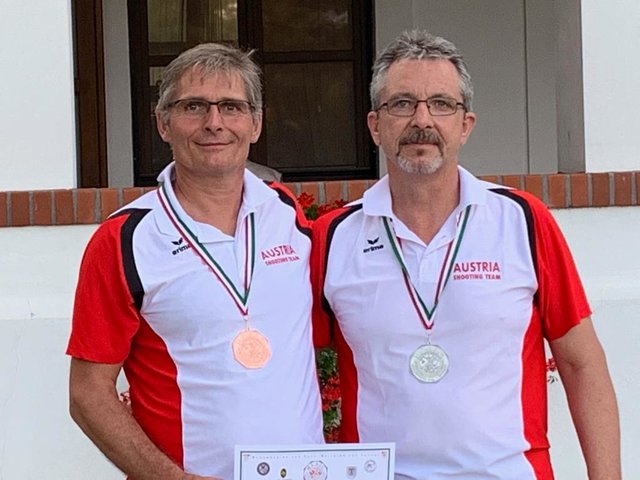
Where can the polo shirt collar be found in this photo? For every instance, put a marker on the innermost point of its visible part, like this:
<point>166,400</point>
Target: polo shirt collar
<point>377,200</point>
<point>254,194</point>
<point>473,191</point>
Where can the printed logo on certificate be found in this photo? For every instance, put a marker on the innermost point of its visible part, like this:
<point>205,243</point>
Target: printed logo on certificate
<point>362,461</point>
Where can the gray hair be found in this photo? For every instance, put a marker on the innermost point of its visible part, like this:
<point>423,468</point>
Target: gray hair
<point>419,45</point>
<point>210,59</point>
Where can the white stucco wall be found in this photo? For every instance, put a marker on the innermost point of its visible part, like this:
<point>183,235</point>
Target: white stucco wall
<point>38,439</point>
<point>611,39</point>
<point>38,283</point>
<point>604,244</point>
<point>37,129</point>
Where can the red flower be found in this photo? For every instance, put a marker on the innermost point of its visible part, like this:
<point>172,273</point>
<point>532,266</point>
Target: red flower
<point>327,207</point>
<point>305,200</point>
<point>331,435</point>
<point>312,210</point>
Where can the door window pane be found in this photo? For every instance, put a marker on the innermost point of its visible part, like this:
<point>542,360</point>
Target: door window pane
<point>166,21</point>
<point>294,25</point>
<point>315,56</point>
<point>220,21</point>
<point>175,25</point>
<point>310,115</point>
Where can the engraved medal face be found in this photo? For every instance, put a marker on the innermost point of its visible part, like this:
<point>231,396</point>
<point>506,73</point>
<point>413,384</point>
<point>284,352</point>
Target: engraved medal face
<point>429,363</point>
<point>251,349</point>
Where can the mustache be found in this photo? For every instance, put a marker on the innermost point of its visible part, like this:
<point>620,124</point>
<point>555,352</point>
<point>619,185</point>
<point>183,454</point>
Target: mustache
<point>421,136</point>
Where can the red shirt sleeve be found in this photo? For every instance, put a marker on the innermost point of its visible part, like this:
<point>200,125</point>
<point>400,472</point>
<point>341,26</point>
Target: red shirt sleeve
<point>561,298</point>
<point>321,233</point>
<point>105,317</point>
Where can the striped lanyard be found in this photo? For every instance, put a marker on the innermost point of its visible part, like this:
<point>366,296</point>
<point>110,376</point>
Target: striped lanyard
<point>427,315</point>
<point>240,299</point>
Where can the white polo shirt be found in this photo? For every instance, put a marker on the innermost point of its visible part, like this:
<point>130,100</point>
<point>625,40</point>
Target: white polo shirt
<point>512,283</point>
<point>144,298</point>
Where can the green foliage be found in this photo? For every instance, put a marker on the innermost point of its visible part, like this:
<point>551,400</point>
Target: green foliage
<point>327,363</point>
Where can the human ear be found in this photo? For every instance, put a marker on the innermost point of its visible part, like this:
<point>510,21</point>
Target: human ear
<point>468,125</point>
<point>372,123</point>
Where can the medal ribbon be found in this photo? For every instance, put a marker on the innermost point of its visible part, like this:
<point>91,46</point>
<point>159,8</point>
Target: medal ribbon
<point>426,314</point>
<point>240,299</point>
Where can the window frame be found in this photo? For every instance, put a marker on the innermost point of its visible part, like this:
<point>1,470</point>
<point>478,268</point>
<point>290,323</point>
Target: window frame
<point>91,132</point>
<point>250,35</point>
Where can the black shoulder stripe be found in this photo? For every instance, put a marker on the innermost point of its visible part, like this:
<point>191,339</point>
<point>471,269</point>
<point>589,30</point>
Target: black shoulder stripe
<point>286,199</point>
<point>528,216</point>
<point>126,245</point>
<point>331,230</point>
<point>126,211</point>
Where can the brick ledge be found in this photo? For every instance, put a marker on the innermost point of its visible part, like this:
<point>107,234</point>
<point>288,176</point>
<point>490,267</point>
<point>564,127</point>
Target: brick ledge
<point>85,206</point>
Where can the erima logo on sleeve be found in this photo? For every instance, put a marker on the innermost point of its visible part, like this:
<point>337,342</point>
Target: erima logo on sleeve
<point>181,246</point>
<point>373,245</point>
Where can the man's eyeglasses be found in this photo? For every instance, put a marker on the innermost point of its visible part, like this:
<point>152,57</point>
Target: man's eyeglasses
<point>437,106</point>
<point>199,107</point>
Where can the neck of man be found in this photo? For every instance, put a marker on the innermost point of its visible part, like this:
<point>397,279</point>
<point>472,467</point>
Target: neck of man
<point>423,202</point>
<point>214,200</point>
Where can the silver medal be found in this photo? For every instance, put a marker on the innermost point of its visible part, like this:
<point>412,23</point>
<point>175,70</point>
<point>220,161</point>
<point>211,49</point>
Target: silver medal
<point>429,363</point>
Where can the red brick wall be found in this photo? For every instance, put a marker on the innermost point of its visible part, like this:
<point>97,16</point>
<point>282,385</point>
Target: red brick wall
<point>91,205</point>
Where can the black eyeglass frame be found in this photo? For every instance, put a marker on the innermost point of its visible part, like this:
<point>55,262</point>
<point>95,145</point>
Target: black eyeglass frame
<point>252,108</point>
<point>385,105</point>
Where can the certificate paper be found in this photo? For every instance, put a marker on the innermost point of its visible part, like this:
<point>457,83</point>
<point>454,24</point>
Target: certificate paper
<point>336,461</point>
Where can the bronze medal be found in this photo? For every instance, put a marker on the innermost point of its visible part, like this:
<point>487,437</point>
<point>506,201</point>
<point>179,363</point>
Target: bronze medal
<point>251,349</point>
